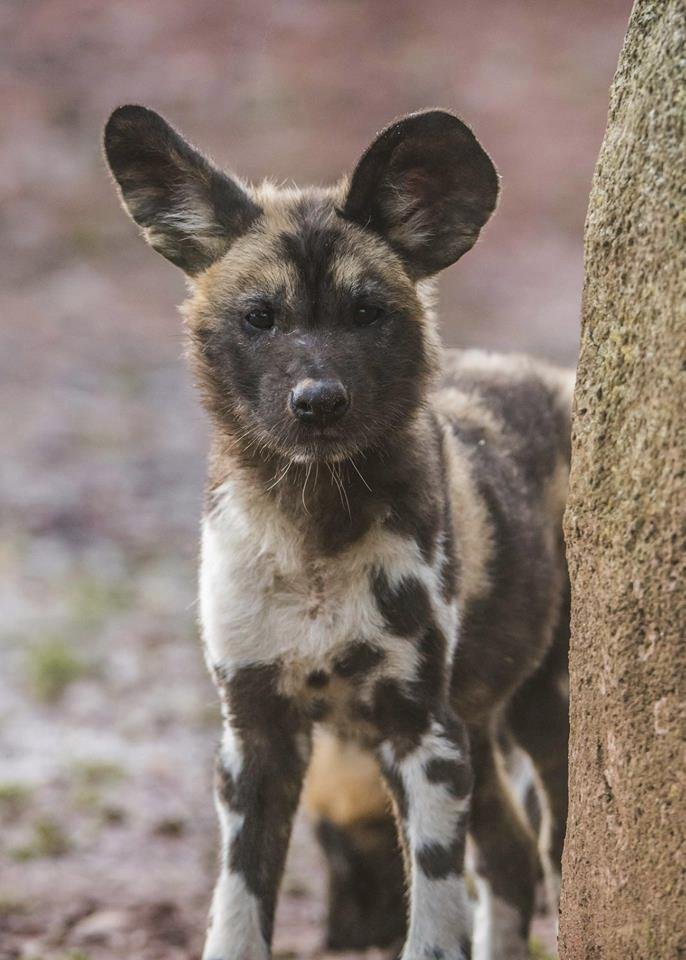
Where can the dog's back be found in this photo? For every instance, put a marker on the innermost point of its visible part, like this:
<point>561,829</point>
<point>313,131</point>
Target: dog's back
<point>507,428</point>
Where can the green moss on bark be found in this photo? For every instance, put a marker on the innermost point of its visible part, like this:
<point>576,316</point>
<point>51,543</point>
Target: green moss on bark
<point>623,886</point>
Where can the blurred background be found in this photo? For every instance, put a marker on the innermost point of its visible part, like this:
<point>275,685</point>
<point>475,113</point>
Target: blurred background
<point>107,721</point>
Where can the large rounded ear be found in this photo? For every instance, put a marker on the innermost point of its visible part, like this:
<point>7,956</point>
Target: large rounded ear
<point>427,186</point>
<point>189,210</point>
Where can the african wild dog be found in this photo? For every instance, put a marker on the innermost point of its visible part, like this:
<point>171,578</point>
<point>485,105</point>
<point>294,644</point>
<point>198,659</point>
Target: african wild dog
<point>381,556</point>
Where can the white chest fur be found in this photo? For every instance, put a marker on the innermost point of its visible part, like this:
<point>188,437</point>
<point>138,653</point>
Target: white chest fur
<point>263,597</point>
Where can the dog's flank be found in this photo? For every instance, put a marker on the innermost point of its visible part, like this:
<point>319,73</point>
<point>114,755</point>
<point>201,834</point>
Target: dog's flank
<point>381,545</point>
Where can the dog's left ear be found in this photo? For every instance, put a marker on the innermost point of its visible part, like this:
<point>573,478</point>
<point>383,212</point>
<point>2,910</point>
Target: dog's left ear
<point>427,187</point>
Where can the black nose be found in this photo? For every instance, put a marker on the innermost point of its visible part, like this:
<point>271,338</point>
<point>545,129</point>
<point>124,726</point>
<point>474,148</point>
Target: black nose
<point>319,401</point>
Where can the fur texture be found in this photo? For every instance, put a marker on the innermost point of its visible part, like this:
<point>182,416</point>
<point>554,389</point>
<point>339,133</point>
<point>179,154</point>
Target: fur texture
<point>394,574</point>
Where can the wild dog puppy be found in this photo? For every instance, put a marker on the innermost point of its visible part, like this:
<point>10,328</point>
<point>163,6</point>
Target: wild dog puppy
<point>379,558</point>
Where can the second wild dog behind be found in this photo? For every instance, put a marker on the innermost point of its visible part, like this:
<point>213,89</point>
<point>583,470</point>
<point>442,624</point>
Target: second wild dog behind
<point>381,549</point>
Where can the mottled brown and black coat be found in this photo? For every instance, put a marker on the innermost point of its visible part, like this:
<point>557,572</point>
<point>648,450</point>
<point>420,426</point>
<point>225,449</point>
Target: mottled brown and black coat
<point>382,561</point>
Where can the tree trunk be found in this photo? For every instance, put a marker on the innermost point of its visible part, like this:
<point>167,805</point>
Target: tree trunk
<point>623,873</point>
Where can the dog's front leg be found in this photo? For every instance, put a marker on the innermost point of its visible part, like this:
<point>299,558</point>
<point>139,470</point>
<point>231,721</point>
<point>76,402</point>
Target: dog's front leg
<point>260,768</point>
<point>431,784</point>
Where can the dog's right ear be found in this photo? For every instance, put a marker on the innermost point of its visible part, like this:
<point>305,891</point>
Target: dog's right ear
<point>189,210</point>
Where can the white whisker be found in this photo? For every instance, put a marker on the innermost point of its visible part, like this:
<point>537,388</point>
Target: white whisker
<point>354,466</point>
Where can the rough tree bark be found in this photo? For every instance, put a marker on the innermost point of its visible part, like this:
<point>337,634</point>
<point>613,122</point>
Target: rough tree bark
<point>623,874</point>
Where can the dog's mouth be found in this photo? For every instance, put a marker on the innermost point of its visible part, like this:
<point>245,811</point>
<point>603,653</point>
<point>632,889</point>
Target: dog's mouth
<point>334,443</point>
<point>302,442</point>
<point>324,446</point>
<point>327,442</point>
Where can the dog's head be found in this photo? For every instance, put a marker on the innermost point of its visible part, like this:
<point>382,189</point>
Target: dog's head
<point>309,329</point>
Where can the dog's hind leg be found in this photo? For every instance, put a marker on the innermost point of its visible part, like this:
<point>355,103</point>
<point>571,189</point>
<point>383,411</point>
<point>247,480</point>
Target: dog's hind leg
<point>538,716</point>
<point>348,805</point>
<point>507,862</point>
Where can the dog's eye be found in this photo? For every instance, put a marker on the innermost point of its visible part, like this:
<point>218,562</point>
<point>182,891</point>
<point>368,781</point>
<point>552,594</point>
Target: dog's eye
<point>365,314</point>
<point>260,317</point>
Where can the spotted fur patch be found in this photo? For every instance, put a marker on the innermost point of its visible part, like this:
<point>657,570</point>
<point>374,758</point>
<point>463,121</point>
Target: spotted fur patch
<point>405,606</point>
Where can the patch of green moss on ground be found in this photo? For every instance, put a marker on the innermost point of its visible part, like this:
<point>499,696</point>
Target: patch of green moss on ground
<point>14,799</point>
<point>97,773</point>
<point>51,666</point>
<point>48,840</point>
<point>92,600</point>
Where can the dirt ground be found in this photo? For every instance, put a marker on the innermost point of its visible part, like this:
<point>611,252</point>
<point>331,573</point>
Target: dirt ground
<point>107,721</point>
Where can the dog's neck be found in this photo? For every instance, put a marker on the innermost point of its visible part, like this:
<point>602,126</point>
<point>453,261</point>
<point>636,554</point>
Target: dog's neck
<point>334,504</point>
